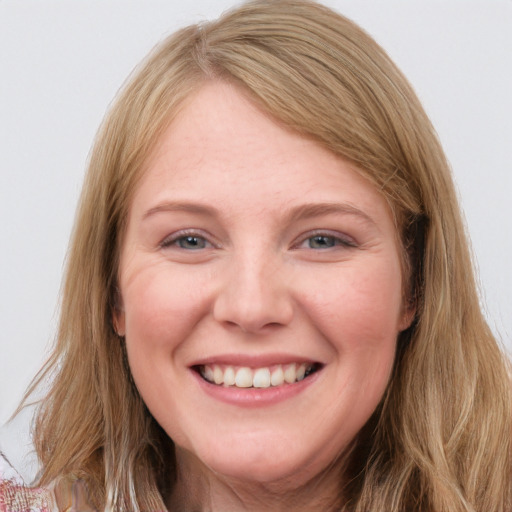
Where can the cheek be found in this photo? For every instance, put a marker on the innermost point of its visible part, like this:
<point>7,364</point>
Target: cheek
<point>359,310</point>
<point>161,308</point>
<point>358,313</point>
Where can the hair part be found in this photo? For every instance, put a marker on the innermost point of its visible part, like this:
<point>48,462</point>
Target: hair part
<point>440,439</point>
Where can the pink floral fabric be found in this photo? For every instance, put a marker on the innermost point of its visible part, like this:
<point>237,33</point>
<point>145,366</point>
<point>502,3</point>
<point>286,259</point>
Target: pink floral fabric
<point>16,496</point>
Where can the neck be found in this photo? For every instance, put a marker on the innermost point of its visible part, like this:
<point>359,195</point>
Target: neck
<point>198,489</point>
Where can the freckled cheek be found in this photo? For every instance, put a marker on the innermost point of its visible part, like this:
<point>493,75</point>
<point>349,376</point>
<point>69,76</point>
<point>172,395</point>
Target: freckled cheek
<point>356,310</point>
<point>162,309</point>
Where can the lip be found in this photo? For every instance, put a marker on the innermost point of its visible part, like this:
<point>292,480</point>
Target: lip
<point>253,361</point>
<point>254,397</point>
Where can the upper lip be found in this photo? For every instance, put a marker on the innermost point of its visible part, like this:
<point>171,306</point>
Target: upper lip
<point>252,361</point>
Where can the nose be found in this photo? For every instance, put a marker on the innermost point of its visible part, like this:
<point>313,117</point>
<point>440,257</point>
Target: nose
<point>254,296</point>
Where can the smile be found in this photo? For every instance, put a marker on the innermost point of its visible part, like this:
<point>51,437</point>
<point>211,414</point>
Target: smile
<point>264,377</point>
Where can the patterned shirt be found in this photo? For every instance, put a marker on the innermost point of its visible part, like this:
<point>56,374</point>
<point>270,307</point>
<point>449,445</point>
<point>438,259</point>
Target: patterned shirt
<point>16,496</point>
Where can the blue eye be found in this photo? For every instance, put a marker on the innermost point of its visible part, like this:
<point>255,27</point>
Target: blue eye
<point>190,242</point>
<point>325,240</point>
<point>322,242</point>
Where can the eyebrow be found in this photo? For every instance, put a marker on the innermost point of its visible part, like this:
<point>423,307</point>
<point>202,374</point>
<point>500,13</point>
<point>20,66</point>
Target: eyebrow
<point>176,206</point>
<point>301,212</point>
<point>311,210</point>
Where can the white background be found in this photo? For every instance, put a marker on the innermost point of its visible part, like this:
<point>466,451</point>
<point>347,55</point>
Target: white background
<point>61,63</point>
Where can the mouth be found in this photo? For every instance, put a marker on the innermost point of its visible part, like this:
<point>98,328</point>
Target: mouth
<point>264,377</point>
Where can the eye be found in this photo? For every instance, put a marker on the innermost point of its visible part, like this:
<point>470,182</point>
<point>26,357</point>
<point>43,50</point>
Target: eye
<point>191,242</point>
<point>187,241</point>
<point>321,241</point>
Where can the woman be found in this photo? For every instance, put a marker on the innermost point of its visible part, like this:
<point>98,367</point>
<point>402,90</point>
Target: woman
<point>268,301</point>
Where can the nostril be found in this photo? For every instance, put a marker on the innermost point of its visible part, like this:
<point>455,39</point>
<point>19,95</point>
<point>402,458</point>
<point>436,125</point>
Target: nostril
<point>252,321</point>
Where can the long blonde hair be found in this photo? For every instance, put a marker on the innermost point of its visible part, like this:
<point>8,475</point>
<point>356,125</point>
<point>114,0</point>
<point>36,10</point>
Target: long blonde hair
<point>440,440</point>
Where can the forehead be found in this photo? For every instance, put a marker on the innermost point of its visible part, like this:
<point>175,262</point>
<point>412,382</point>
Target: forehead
<point>222,148</point>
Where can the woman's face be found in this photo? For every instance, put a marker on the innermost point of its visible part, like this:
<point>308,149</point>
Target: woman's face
<point>261,292</point>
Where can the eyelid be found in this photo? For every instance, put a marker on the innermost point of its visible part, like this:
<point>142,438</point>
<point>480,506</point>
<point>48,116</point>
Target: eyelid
<point>346,240</point>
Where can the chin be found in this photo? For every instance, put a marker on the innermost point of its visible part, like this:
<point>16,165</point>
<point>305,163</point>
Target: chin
<point>264,463</point>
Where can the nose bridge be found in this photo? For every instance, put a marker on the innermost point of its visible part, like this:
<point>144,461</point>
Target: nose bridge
<point>254,293</point>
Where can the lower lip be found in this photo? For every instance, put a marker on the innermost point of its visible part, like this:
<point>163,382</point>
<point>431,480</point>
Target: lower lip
<point>255,397</point>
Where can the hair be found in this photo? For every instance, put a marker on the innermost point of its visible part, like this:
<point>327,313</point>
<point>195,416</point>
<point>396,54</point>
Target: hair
<point>440,439</point>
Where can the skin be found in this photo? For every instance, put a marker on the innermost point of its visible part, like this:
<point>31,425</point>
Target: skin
<point>253,196</point>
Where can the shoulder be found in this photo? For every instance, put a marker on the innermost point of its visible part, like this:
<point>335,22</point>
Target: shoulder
<point>15,496</point>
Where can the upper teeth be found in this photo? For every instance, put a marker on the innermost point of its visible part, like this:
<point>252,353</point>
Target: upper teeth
<point>245,377</point>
